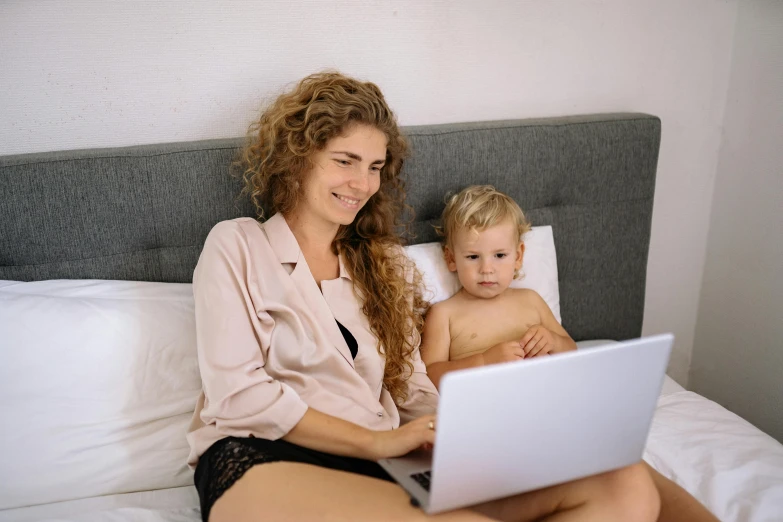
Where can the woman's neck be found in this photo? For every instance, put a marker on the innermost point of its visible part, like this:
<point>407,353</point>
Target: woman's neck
<point>314,238</point>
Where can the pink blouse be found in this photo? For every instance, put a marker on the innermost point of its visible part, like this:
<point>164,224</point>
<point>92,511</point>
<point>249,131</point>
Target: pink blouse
<point>269,346</point>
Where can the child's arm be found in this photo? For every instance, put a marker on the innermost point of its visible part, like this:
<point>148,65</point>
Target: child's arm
<point>547,336</point>
<point>435,343</point>
<point>437,340</point>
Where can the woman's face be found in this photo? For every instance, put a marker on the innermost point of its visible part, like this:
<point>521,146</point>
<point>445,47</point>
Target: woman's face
<point>345,175</point>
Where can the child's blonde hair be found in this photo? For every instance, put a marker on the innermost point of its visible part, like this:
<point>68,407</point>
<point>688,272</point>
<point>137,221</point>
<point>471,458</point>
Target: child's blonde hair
<point>477,208</point>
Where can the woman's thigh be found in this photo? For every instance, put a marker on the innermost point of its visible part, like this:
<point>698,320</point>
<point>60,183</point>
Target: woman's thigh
<point>286,491</point>
<point>293,492</point>
<point>626,495</point>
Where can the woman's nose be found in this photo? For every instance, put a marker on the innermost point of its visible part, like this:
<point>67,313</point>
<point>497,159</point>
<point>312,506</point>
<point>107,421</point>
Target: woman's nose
<point>361,180</point>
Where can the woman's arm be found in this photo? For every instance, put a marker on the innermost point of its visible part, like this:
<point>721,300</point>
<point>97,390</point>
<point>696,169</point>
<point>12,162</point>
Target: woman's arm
<point>242,399</point>
<point>329,434</point>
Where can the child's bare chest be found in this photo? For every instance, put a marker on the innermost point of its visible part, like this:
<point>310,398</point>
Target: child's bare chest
<point>479,327</point>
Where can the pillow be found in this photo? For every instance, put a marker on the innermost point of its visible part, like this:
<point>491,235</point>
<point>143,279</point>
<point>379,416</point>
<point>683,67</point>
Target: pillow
<point>539,269</point>
<point>99,380</point>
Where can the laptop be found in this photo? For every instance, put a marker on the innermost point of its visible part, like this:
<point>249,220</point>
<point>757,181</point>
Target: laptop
<point>510,428</point>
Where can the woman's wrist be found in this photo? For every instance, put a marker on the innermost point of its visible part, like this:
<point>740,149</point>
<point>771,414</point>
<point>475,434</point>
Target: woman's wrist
<point>367,446</point>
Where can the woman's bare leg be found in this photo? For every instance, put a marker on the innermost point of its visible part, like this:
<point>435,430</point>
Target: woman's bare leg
<point>292,492</point>
<point>676,503</point>
<point>626,494</point>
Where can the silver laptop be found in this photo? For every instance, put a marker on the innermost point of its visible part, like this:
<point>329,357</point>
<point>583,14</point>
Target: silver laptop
<point>516,427</point>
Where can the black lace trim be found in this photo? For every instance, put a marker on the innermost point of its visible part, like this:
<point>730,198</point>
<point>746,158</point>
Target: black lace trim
<point>227,465</point>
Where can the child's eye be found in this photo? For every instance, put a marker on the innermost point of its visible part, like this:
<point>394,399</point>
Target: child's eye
<point>472,256</point>
<point>501,255</point>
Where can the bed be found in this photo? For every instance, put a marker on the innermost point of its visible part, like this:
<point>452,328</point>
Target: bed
<point>97,356</point>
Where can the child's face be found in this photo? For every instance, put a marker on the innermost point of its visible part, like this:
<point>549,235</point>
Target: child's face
<point>485,261</point>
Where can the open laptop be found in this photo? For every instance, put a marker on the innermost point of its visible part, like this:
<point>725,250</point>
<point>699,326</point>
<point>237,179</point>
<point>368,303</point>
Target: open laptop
<point>516,427</point>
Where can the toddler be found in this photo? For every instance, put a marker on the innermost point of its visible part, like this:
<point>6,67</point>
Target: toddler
<point>487,322</point>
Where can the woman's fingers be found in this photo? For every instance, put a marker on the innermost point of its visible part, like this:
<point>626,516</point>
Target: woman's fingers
<point>424,420</point>
<point>423,430</point>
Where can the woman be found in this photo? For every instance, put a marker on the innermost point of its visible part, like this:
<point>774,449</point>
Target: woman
<point>307,334</point>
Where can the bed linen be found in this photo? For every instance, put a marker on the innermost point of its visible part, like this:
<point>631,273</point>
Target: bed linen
<point>728,464</point>
<point>163,505</point>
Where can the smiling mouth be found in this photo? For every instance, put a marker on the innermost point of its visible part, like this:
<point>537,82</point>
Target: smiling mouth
<point>346,201</point>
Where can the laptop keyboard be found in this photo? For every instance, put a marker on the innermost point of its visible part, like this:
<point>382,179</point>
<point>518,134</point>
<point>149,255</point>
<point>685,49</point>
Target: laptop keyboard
<point>423,479</point>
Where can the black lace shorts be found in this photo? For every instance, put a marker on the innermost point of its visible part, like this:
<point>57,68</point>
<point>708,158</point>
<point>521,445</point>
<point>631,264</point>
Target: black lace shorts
<point>228,459</point>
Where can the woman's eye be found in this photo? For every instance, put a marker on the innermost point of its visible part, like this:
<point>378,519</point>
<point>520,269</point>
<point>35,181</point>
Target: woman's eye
<point>343,162</point>
<point>376,169</point>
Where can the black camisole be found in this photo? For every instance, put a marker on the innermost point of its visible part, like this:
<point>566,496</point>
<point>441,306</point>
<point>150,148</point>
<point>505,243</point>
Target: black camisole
<point>350,340</point>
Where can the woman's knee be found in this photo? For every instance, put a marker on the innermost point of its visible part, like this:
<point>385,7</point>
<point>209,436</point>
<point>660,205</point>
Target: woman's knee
<point>633,493</point>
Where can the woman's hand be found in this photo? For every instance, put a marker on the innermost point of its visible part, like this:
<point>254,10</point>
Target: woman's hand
<point>538,341</point>
<point>419,433</point>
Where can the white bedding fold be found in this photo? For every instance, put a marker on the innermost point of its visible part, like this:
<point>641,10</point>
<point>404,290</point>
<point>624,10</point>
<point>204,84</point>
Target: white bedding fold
<point>162,505</point>
<point>727,463</point>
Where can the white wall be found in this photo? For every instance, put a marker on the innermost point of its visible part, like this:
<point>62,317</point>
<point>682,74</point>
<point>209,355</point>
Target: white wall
<point>738,355</point>
<point>83,74</point>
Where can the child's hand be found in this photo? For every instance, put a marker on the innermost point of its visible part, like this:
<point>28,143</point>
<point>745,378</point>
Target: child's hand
<point>537,341</point>
<point>504,352</point>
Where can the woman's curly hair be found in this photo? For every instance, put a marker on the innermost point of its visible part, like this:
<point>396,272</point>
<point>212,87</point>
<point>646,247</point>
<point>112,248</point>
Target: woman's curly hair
<point>282,143</point>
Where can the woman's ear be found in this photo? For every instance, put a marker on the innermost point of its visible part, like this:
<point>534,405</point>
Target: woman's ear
<point>450,261</point>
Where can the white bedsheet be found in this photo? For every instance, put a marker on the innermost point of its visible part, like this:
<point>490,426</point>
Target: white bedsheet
<point>728,464</point>
<point>163,505</point>
<point>724,461</point>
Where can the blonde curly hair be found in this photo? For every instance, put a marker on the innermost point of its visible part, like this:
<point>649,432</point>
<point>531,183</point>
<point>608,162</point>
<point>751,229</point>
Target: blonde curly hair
<point>274,163</point>
<point>478,207</point>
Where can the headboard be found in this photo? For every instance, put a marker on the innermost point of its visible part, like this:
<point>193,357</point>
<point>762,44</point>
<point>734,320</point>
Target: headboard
<point>142,213</point>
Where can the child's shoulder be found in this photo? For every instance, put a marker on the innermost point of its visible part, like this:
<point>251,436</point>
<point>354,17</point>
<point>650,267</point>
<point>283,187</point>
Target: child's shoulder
<point>527,295</point>
<point>443,307</point>
<point>446,308</point>
<point>438,315</point>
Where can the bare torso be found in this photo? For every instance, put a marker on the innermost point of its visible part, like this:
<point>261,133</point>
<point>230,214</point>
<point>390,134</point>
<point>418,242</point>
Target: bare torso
<point>475,325</point>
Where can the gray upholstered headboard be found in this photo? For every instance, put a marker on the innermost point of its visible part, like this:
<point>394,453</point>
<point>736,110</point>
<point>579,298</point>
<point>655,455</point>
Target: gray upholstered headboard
<point>142,213</point>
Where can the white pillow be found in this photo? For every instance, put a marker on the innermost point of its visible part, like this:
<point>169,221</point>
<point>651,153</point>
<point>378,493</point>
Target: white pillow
<point>539,267</point>
<point>99,380</point>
